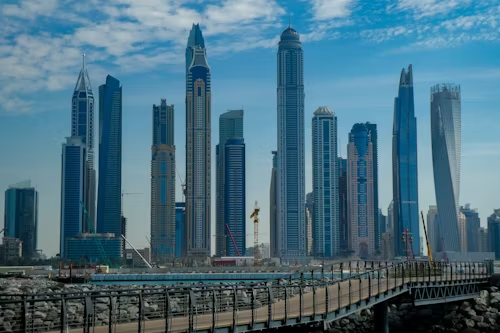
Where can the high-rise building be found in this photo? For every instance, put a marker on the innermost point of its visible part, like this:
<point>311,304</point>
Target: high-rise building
<point>382,221</point>
<point>21,216</point>
<point>483,240</point>
<point>230,126</point>
<point>433,229</point>
<point>390,218</point>
<point>198,146</point>
<point>110,159</point>
<point>234,201</point>
<point>360,192</point>
<point>180,229</point>
<point>462,231</point>
<point>291,165</point>
<point>494,233</point>
<point>372,130</point>
<point>273,213</point>
<point>73,169</point>
<point>472,223</point>
<point>163,234</point>
<point>309,223</point>
<point>325,184</point>
<point>405,165</point>
<point>343,211</point>
<point>446,159</point>
<point>82,125</point>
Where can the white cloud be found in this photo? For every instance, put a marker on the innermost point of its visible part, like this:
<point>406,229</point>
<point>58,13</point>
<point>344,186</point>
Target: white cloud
<point>427,8</point>
<point>331,9</point>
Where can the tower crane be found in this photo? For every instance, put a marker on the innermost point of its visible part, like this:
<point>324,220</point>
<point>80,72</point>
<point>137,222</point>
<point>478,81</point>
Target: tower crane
<point>429,252</point>
<point>255,216</point>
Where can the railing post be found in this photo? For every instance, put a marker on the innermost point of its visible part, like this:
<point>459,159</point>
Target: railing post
<point>269,306</point>
<point>141,313</point>
<point>167,308</point>
<point>63,315</point>
<point>88,309</point>
<point>429,271</point>
<point>190,310</point>
<point>341,270</point>
<point>360,287</point>
<point>326,300</point>
<point>369,286</point>
<point>314,300</point>
<point>339,296</point>
<point>350,292</point>
<point>235,308</point>
<point>24,323</point>
<point>286,308</point>
<point>301,297</point>
<point>111,312</point>
<point>253,307</point>
<point>378,279</point>
<point>403,272</point>
<point>395,275</point>
<point>410,265</point>
<point>387,278</point>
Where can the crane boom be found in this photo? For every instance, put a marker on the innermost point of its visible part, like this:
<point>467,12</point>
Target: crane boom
<point>145,261</point>
<point>429,252</point>
<point>232,238</point>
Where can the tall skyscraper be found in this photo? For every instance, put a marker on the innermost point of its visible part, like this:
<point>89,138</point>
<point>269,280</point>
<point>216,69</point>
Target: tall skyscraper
<point>163,184</point>
<point>230,126</point>
<point>198,146</point>
<point>494,233</point>
<point>446,159</point>
<point>483,240</point>
<point>372,130</point>
<point>291,168</point>
<point>472,225</point>
<point>382,221</point>
<point>343,211</point>
<point>110,157</point>
<point>405,165</point>
<point>180,229</point>
<point>273,213</point>
<point>325,183</point>
<point>433,229</point>
<point>73,169</point>
<point>360,192</point>
<point>390,218</point>
<point>309,223</point>
<point>21,216</point>
<point>234,196</point>
<point>82,125</point>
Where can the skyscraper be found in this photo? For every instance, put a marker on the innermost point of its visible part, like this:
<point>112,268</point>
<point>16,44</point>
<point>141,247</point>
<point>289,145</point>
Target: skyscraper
<point>73,168</point>
<point>446,159</point>
<point>372,130</point>
<point>309,223</point>
<point>230,126</point>
<point>273,213</point>
<point>483,240</point>
<point>110,157</point>
<point>180,229</point>
<point>360,192</point>
<point>21,216</point>
<point>291,169</point>
<point>405,165</point>
<point>343,211</point>
<point>433,229</point>
<point>198,146</point>
<point>163,184</point>
<point>325,183</point>
<point>82,125</point>
<point>472,225</point>
<point>234,196</point>
<point>494,233</point>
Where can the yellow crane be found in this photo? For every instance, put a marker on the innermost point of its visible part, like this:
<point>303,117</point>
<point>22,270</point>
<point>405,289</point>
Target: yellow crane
<point>429,252</point>
<point>255,216</point>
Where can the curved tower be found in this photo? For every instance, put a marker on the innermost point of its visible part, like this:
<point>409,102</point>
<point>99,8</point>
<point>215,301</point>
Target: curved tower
<point>291,184</point>
<point>446,159</point>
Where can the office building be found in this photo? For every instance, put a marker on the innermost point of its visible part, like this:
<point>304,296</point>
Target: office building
<point>382,221</point>
<point>10,249</point>
<point>230,126</point>
<point>103,248</point>
<point>163,175</point>
<point>235,195</point>
<point>387,246</point>
<point>273,213</point>
<point>21,217</point>
<point>343,211</point>
<point>472,224</point>
<point>372,131</point>
<point>462,231</point>
<point>405,165</point>
<point>82,125</point>
<point>390,218</point>
<point>180,230</point>
<point>291,165</point>
<point>446,159</point>
<point>325,184</point>
<point>309,223</point>
<point>433,229</point>
<point>483,240</point>
<point>198,146</point>
<point>494,233</point>
<point>360,192</point>
<point>73,171</point>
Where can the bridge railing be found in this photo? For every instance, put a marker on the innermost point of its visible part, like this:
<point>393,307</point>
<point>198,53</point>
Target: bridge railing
<point>191,308</point>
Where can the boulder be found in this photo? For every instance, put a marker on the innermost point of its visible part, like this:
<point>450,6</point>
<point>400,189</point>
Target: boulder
<point>480,308</point>
<point>477,319</point>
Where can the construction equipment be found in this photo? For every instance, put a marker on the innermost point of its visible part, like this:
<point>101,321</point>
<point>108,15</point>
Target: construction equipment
<point>429,252</point>
<point>232,238</point>
<point>90,227</point>
<point>145,261</point>
<point>255,216</point>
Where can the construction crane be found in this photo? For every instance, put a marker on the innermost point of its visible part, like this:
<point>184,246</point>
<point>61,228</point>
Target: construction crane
<point>429,252</point>
<point>145,261</point>
<point>255,216</point>
<point>232,238</point>
<point>90,227</point>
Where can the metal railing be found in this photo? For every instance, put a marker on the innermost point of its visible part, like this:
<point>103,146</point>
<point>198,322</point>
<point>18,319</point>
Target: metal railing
<point>207,307</point>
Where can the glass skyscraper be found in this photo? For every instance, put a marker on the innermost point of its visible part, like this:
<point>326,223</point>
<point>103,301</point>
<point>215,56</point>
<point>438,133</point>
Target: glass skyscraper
<point>405,166</point>
<point>493,233</point>
<point>343,211</point>
<point>234,196</point>
<point>180,229</point>
<point>110,157</point>
<point>291,168</point>
<point>325,184</point>
<point>360,192</point>
<point>198,146</point>
<point>230,126</point>
<point>372,130</point>
<point>446,159</point>
<point>163,232</point>
<point>472,225</point>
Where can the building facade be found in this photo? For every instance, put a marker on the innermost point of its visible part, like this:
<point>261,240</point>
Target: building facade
<point>21,217</point>
<point>73,171</point>
<point>103,248</point>
<point>309,223</point>
<point>446,159</point>
<point>230,126</point>
<point>291,164</point>
<point>360,192</point>
<point>483,240</point>
<point>273,213</point>
<point>372,130</point>
<point>82,125</point>
<point>472,225</point>
<point>235,196</point>
<point>180,230</point>
<point>405,165</point>
<point>163,173</point>
<point>494,233</point>
<point>343,211</point>
<point>198,146</point>
<point>325,184</point>
<point>433,229</point>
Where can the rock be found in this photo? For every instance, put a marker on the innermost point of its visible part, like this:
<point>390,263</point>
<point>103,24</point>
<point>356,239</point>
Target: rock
<point>480,301</point>
<point>39,314</point>
<point>477,319</point>
<point>8,314</point>
<point>484,294</point>
<point>465,306</point>
<point>405,306</point>
<point>470,313</point>
<point>101,307</point>
<point>344,321</point>
<point>7,326</point>
<point>470,330</point>
<point>493,289</point>
<point>469,323</point>
<point>480,308</point>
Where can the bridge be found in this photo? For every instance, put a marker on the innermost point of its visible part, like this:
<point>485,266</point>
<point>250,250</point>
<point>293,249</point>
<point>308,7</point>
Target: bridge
<point>250,307</point>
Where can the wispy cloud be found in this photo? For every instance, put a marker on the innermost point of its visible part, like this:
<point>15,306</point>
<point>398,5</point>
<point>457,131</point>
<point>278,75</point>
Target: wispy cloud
<point>428,8</point>
<point>331,9</point>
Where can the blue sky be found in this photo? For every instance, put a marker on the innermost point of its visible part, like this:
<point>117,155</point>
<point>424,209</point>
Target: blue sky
<point>354,53</point>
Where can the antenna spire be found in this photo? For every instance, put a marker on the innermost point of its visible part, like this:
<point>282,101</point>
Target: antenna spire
<point>289,21</point>
<point>83,60</point>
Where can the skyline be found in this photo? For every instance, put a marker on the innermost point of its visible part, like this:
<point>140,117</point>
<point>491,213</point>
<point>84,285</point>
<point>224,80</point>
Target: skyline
<point>324,86</point>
